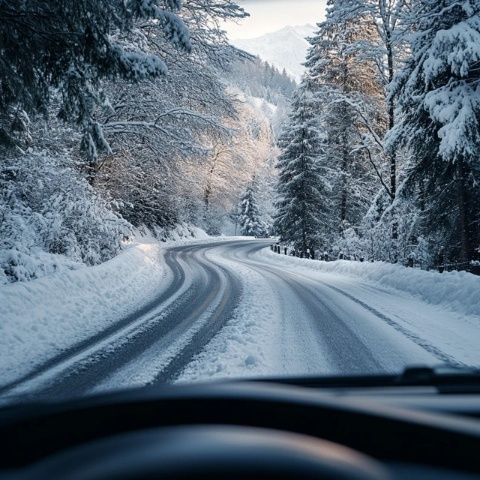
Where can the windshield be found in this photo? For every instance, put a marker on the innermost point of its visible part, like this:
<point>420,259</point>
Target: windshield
<point>202,190</point>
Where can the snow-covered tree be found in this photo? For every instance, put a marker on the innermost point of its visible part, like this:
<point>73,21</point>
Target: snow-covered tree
<point>248,150</point>
<point>385,50</point>
<point>249,216</point>
<point>303,203</point>
<point>62,51</point>
<point>439,107</point>
<point>171,121</point>
<point>99,69</point>
<point>50,218</point>
<point>257,78</point>
<point>350,110</point>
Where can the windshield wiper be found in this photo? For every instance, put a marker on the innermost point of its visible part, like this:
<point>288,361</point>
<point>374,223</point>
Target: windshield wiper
<point>445,378</point>
<point>441,374</point>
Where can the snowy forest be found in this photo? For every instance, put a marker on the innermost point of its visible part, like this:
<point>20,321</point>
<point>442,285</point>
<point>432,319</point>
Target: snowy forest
<point>137,116</point>
<point>380,156</point>
<point>122,117</point>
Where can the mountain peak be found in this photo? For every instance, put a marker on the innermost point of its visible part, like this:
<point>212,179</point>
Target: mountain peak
<point>285,48</point>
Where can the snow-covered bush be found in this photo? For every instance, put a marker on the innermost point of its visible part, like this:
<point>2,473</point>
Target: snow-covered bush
<point>388,233</point>
<point>50,217</point>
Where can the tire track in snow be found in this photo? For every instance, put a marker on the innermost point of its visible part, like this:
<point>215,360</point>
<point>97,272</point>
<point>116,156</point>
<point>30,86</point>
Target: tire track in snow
<point>216,321</point>
<point>334,344</point>
<point>178,278</point>
<point>87,364</point>
<point>436,352</point>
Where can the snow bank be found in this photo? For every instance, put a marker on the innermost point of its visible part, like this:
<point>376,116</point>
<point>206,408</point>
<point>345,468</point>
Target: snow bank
<point>43,317</point>
<point>181,232</point>
<point>455,291</point>
<point>184,231</point>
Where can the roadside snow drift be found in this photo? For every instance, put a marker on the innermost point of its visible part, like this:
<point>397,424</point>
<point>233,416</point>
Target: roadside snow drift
<point>43,317</point>
<point>456,291</point>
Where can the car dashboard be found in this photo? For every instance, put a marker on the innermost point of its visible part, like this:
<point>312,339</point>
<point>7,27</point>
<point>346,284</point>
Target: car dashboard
<point>405,431</point>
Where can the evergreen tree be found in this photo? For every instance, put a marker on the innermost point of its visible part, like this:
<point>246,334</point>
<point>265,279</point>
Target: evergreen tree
<point>302,217</point>
<point>249,217</point>
<point>385,49</point>
<point>351,111</point>
<point>439,105</point>
<point>67,48</point>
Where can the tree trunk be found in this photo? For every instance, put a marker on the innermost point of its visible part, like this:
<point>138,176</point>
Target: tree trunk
<point>463,223</point>
<point>206,197</point>
<point>391,124</point>
<point>393,156</point>
<point>344,197</point>
<point>304,238</point>
<point>391,115</point>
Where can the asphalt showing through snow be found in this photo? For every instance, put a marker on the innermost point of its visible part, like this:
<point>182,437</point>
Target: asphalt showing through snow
<point>200,300</point>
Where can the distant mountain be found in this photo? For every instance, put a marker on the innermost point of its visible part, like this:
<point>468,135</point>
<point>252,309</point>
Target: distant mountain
<point>264,87</point>
<point>286,48</point>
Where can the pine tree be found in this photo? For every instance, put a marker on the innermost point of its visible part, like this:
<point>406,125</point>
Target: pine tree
<point>61,50</point>
<point>385,48</point>
<point>249,217</point>
<point>303,204</point>
<point>439,105</point>
<point>351,110</point>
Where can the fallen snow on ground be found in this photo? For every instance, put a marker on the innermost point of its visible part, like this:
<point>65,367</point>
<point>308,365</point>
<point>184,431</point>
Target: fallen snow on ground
<point>183,234</point>
<point>456,291</point>
<point>248,345</point>
<point>43,317</point>
<point>440,312</point>
<point>430,317</point>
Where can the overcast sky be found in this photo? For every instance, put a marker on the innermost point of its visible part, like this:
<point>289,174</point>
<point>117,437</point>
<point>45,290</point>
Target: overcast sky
<point>271,15</point>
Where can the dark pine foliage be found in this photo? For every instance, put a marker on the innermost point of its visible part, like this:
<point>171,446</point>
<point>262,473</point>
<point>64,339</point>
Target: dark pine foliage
<point>69,46</point>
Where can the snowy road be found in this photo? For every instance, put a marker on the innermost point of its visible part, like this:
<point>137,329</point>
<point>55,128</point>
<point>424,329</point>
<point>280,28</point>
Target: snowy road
<point>233,309</point>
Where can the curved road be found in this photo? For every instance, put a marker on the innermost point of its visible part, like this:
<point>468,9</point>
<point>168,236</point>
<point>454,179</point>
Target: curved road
<point>321,326</point>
